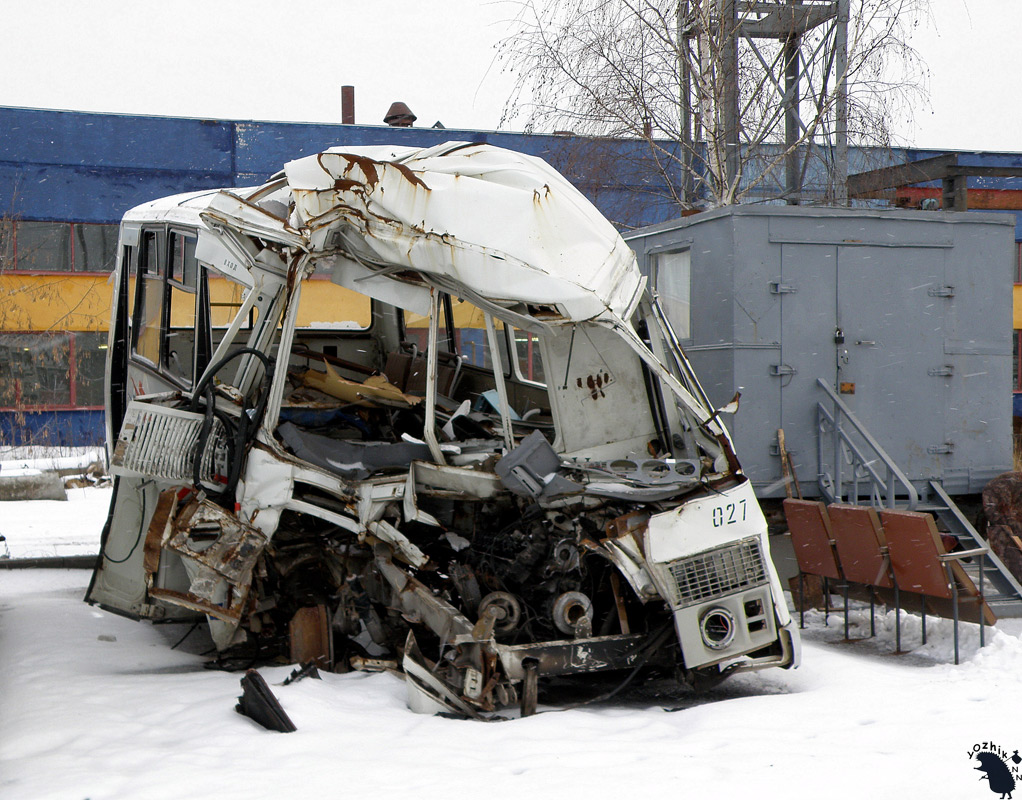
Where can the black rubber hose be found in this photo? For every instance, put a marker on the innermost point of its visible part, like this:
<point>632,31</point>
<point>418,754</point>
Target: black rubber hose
<point>238,444</point>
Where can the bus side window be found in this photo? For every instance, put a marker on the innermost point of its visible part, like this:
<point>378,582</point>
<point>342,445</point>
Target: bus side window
<point>529,362</point>
<point>179,351</point>
<point>148,317</point>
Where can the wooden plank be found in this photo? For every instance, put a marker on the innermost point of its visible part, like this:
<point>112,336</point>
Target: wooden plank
<point>922,171</point>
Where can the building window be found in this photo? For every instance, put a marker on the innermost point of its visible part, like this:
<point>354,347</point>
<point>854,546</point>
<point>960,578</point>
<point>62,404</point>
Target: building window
<point>42,246</point>
<point>52,370</point>
<point>36,371</point>
<point>6,244</point>
<point>89,369</point>
<point>57,246</point>
<point>94,247</point>
<point>672,276</point>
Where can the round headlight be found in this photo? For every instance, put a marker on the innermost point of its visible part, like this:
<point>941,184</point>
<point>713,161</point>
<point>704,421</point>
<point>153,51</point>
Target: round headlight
<point>717,628</point>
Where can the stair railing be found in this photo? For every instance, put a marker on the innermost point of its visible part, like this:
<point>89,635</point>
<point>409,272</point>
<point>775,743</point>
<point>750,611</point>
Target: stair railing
<point>859,462</point>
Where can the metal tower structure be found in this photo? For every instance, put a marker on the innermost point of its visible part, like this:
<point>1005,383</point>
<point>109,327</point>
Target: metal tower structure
<point>727,46</point>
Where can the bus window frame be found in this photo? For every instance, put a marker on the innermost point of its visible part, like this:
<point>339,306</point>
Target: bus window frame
<point>144,273</point>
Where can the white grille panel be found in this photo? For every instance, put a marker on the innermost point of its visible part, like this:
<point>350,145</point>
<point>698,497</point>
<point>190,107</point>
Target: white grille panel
<point>718,572</point>
<point>161,442</point>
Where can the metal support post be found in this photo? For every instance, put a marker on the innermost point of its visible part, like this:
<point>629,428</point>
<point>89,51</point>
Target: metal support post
<point>846,610</point>
<point>792,177</point>
<point>982,601</point>
<point>897,618</point>
<point>841,103</point>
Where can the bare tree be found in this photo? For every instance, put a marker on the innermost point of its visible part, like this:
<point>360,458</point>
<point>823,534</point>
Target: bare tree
<point>735,99</point>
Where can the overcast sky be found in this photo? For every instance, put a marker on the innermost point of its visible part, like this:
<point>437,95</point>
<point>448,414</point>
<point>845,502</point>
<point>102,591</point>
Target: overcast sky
<point>257,59</point>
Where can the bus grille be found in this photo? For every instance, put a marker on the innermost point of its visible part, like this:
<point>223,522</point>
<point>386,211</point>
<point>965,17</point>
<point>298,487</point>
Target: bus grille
<point>160,442</point>
<point>718,572</point>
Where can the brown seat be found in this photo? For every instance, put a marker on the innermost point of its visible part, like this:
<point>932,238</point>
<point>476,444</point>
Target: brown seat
<point>407,371</point>
<point>813,544</point>
<point>862,548</point>
<point>812,539</point>
<point>915,548</point>
<point>861,545</point>
<point>923,566</point>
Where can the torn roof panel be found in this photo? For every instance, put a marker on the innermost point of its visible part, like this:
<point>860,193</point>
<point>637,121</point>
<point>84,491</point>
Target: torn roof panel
<point>433,209</point>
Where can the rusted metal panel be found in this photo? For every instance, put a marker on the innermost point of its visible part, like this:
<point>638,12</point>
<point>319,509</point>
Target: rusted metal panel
<point>158,530</point>
<point>209,535</point>
<point>578,655</point>
<point>194,601</point>
<point>219,551</point>
<point>310,636</point>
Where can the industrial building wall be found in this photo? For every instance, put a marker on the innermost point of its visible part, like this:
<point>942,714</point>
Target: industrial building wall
<point>904,313</point>
<point>66,178</point>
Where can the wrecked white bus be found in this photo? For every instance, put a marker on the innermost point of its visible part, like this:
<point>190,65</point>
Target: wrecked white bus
<point>503,470</point>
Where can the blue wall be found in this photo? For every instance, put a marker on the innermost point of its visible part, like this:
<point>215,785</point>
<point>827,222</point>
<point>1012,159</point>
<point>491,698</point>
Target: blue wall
<point>81,167</point>
<point>78,428</point>
<point>63,165</point>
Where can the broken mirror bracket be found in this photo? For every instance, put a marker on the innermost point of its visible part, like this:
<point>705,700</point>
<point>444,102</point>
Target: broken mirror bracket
<point>258,703</point>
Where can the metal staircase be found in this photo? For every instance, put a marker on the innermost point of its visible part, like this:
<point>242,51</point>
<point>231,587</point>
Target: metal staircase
<point>854,468</point>
<point>1002,591</point>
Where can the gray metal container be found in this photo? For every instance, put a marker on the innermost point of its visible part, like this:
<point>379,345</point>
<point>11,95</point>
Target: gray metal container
<point>907,314</point>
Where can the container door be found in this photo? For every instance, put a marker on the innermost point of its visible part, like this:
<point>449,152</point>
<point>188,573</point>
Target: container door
<point>891,369</point>
<point>807,291</point>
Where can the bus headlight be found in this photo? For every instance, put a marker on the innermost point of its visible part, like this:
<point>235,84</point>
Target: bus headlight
<point>717,628</point>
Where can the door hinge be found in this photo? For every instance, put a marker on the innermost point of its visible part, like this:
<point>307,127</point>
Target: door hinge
<point>941,291</point>
<point>941,372</point>
<point>780,370</point>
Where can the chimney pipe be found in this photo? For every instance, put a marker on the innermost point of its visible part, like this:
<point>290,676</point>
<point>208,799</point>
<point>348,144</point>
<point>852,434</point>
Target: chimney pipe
<point>347,105</point>
<point>399,115</point>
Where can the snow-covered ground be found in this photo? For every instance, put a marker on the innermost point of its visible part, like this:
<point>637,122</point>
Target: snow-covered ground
<point>96,706</point>
<point>19,459</point>
<point>44,528</point>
